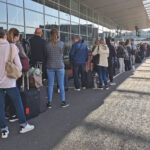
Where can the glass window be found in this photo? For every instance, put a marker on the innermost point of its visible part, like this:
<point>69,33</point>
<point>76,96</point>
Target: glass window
<point>75,5</point>
<point>74,19</point>
<point>95,32</point>
<point>64,25</point>
<point>75,28</point>
<point>64,13</point>
<point>21,29</point>
<point>3,14</point>
<point>3,0</point>
<point>16,2</point>
<point>83,22</point>
<point>51,8</point>
<point>65,3</point>
<point>65,38</point>
<point>83,10</point>
<point>33,19</point>
<point>36,5</point>
<point>90,30</point>
<point>51,22</point>
<point>4,26</point>
<point>83,29</point>
<point>47,35</point>
<point>15,15</point>
<point>75,16</point>
<point>84,38</point>
<point>29,32</point>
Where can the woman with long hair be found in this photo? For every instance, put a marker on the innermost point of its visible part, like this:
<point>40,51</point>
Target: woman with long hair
<point>8,85</point>
<point>55,65</point>
<point>103,51</point>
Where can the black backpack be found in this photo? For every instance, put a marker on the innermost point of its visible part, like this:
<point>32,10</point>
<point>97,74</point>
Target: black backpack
<point>26,46</point>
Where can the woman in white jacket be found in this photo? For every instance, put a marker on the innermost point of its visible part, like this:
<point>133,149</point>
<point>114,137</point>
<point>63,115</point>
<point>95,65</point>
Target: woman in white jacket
<point>103,52</point>
<point>8,85</point>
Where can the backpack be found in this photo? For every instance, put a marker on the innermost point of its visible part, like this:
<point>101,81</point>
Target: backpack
<point>27,47</point>
<point>126,54</point>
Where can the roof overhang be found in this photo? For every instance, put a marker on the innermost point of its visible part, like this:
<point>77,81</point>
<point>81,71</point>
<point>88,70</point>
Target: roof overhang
<point>125,13</point>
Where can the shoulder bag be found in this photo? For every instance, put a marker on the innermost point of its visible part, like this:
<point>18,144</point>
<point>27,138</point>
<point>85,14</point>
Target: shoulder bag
<point>12,71</point>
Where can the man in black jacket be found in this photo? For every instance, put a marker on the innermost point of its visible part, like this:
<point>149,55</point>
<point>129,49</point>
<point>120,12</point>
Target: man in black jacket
<point>38,49</point>
<point>112,54</point>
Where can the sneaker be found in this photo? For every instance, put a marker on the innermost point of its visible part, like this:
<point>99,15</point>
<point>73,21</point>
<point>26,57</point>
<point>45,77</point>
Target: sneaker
<point>101,88</point>
<point>58,91</point>
<point>112,83</point>
<point>77,89</point>
<point>49,105</point>
<point>27,128</point>
<point>107,88</point>
<point>13,118</point>
<point>84,88</point>
<point>63,104</point>
<point>5,134</point>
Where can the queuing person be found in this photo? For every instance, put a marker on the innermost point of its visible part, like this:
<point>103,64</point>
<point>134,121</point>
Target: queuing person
<point>127,49</point>
<point>8,85</point>
<point>55,65</point>
<point>111,58</point>
<point>79,57</point>
<point>95,59</point>
<point>126,57</point>
<point>37,45</point>
<point>120,55</point>
<point>9,106</point>
<point>133,53</point>
<point>103,51</point>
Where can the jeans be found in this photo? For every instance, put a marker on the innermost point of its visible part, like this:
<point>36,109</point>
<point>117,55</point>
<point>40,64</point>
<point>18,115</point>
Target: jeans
<point>102,76</point>
<point>77,69</point>
<point>122,65</point>
<point>60,78</point>
<point>14,94</point>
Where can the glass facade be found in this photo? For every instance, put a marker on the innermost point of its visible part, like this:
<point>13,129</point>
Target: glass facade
<point>70,17</point>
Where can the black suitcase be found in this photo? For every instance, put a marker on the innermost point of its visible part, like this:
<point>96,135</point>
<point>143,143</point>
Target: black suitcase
<point>43,95</point>
<point>138,59</point>
<point>30,100</point>
<point>89,79</point>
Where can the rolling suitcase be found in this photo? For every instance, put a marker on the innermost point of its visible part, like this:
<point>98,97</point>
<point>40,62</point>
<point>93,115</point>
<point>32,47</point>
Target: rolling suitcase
<point>43,95</point>
<point>89,76</point>
<point>30,99</point>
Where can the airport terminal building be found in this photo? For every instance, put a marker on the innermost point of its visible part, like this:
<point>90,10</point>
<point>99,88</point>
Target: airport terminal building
<point>70,17</point>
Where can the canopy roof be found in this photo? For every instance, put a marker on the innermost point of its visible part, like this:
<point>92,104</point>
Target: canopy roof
<point>125,13</point>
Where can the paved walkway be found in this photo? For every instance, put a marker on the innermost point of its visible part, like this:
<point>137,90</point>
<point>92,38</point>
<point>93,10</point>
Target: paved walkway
<point>117,119</point>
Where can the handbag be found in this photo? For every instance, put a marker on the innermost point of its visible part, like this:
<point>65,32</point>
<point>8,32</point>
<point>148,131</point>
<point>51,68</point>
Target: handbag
<point>12,71</point>
<point>35,76</point>
<point>95,59</point>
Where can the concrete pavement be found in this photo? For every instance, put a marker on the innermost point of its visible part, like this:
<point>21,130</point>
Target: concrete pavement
<point>117,119</point>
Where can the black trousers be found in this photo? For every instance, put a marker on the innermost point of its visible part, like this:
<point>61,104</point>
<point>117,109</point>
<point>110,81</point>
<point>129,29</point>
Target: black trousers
<point>110,70</point>
<point>127,65</point>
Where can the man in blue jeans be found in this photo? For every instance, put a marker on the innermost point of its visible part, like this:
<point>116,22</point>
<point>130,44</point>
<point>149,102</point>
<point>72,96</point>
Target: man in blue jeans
<point>79,57</point>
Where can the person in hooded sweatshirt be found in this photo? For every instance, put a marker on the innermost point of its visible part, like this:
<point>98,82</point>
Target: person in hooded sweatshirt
<point>8,85</point>
<point>103,51</point>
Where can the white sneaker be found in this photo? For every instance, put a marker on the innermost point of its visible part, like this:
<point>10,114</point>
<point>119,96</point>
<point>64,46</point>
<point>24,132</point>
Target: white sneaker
<point>5,134</point>
<point>84,88</point>
<point>58,91</point>
<point>27,128</point>
<point>112,83</point>
<point>77,89</point>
